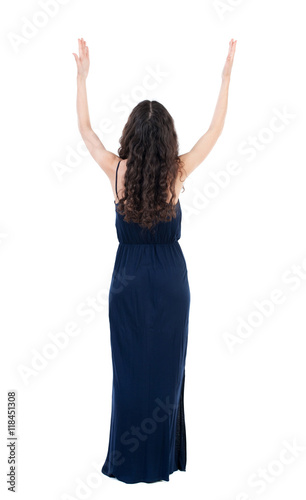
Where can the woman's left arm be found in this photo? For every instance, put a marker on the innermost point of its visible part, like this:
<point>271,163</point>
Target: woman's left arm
<point>104,158</point>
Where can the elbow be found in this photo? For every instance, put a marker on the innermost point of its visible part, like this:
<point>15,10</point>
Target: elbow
<point>216,130</point>
<point>85,130</point>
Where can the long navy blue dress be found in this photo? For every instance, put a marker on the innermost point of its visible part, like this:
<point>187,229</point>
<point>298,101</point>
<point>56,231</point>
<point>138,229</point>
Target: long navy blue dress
<point>149,301</point>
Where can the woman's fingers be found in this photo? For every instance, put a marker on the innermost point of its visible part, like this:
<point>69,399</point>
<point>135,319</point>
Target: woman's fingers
<point>83,49</point>
<point>81,52</point>
<point>232,47</point>
<point>80,46</point>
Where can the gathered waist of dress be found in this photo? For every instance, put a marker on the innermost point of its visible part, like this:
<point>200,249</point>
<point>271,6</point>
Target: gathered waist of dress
<point>149,244</point>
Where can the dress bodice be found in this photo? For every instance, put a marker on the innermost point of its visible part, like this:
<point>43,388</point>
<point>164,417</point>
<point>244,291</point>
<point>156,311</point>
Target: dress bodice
<point>162,232</point>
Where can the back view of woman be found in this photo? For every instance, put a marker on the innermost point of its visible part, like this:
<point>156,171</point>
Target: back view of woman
<point>149,296</point>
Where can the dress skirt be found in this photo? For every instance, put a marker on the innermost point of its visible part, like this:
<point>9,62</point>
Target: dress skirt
<point>149,301</point>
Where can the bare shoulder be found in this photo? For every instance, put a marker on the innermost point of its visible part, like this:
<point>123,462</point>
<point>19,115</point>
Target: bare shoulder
<point>186,162</point>
<point>111,162</point>
<point>120,176</point>
<point>183,173</point>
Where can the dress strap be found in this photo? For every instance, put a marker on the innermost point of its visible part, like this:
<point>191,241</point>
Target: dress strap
<point>116,178</point>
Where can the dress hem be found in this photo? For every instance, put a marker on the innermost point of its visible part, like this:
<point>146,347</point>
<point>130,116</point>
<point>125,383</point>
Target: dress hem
<point>143,480</point>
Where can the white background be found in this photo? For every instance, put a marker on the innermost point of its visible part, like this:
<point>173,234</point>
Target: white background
<point>58,241</point>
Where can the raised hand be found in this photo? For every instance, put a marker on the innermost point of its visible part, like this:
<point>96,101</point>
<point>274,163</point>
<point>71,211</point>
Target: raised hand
<point>226,73</point>
<point>82,60</point>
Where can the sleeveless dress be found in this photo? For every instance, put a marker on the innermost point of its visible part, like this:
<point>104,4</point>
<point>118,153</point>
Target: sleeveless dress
<point>149,301</point>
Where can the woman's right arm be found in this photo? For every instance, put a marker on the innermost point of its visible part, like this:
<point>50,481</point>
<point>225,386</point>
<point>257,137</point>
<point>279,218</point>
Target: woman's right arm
<point>205,144</point>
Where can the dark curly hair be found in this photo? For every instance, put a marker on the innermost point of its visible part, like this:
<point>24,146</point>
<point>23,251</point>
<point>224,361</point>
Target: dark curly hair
<point>150,145</point>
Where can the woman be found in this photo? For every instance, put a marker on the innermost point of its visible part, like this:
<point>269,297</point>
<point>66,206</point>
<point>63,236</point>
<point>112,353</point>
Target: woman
<point>149,296</point>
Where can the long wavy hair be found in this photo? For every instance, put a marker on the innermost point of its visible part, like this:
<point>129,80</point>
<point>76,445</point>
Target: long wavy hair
<point>149,144</point>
